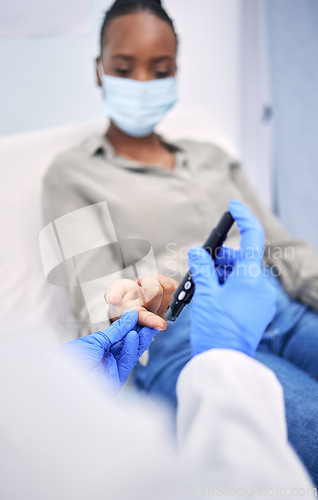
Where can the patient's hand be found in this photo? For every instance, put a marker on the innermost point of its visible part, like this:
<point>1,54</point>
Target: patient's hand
<point>150,295</point>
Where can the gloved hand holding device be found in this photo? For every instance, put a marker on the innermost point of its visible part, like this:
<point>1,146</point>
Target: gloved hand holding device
<point>109,355</point>
<point>233,315</point>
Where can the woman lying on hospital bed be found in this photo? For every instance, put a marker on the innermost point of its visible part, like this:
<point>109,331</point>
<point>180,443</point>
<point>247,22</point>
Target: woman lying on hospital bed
<point>170,195</point>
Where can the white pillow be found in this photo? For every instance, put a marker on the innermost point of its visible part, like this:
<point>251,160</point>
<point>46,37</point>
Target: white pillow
<point>27,300</point>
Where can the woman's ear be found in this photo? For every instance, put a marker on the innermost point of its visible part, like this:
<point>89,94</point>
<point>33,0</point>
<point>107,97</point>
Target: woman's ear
<point>98,78</point>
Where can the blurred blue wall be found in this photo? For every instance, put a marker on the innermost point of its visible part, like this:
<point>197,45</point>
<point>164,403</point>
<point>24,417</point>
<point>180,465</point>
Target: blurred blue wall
<point>293,42</point>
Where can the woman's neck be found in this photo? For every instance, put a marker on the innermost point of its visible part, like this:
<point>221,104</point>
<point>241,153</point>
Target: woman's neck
<point>134,147</point>
<point>148,150</point>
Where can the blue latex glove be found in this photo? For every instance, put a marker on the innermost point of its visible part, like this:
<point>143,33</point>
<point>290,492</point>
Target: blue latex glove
<point>225,261</point>
<point>233,315</point>
<point>109,355</point>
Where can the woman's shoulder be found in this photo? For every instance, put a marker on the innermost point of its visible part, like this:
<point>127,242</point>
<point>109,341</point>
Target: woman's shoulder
<point>74,158</point>
<point>205,150</point>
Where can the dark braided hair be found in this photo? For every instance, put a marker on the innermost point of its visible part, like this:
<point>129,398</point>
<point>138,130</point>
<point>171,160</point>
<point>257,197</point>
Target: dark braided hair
<point>123,7</point>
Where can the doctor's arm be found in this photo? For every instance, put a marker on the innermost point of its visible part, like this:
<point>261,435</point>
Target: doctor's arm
<point>231,420</point>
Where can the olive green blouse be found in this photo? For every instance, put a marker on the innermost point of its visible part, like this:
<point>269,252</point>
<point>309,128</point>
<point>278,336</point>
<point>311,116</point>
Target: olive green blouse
<point>152,209</point>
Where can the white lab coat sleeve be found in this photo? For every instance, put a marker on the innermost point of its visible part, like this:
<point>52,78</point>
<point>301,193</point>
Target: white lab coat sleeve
<point>62,439</point>
<point>231,424</point>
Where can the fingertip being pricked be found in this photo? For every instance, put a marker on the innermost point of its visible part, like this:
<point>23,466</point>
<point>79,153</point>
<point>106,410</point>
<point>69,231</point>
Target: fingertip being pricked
<point>161,327</point>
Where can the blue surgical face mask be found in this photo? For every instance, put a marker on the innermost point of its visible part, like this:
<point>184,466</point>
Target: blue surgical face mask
<point>136,107</point>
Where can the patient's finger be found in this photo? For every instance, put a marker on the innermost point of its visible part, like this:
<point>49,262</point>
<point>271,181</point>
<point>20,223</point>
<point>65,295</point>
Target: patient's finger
<point>151,291</point>
<point>169,285</point>
<point>145,318</point>
<point>149,319</point>
<point>146,295</point>
<point>121,291</point>
<point>122,295</point>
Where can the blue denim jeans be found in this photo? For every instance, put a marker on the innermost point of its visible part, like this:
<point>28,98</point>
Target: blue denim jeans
<point>289,347</point>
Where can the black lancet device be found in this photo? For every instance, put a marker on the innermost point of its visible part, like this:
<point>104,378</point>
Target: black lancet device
<point>184,293</point>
